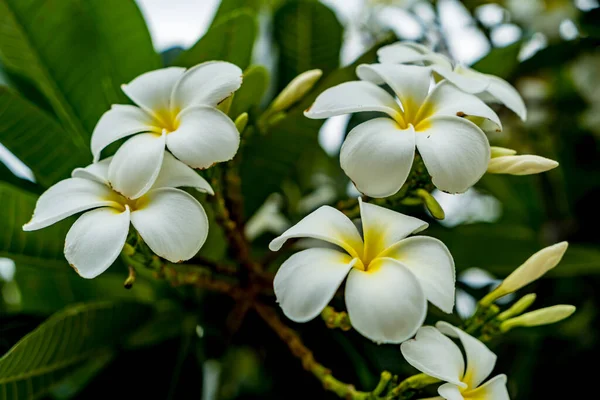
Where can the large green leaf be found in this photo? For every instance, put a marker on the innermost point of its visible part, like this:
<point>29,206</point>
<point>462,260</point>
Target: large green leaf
<point>38,140</point>
<point>269,159</point>
<point>231,39</point>
<point>42,248</point>
<point>64,342</point>
<point>309,36</point>
<point>254,86</point>
<point>229,6</point>
<point>76,52</point>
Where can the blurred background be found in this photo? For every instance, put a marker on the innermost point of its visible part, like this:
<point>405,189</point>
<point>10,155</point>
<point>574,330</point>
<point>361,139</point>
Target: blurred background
<point>548,49</point>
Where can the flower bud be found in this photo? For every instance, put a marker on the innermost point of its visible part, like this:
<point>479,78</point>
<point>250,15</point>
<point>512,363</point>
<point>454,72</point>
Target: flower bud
<point>536,266</point>
<point>519,307</point>
<point>296,89</point>
<point>431,203</point>
<point>241,121</point>
<point>526,164</point>
<point>543,316</point>
<point>501,151</point>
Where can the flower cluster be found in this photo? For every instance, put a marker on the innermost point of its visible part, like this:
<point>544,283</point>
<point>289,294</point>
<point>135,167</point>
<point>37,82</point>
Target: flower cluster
<point>176,110</point>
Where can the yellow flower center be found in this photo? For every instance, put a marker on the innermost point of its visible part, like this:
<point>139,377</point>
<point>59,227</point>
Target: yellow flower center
<point>122,201</point>
<point>415,114</point>
<point>166,119</point>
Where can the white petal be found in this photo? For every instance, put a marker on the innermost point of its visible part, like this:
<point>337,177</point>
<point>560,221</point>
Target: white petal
<point>119,122</point>
<point>96,239</point>
<point>205,136</point>
<point>208,84</point>
<point>69,197</point>
<point>409,82</point>
<point>455,151</point>
<point>328,224</point>
<point>464,79</point>
<point>435,355</point>
<point>480,360</point>
<point>494,389</point>
<point>97,171</point>
<point>378,155</point>
<point>450,391</point>
<point>171,222</point>
<point>174,173</point>
<point>386,303</point>
<point>136,165</point>
<point>383,228</point>
<point>350,97</point>
<point>308,280</point>
<point>506,94</point>
<point>408,53</point>
<point>152,90</point>
<point>447,99</point>
<point>525,164</point>
<point>431,262</point>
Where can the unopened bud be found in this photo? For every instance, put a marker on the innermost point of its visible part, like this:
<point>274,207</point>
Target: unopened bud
<point>130,278</point>
<point>526,164</point>
<point>501,151</point>
<point>431,203</point>
<point>543,316</point>
<point>518,308</point>
<point>225,105</point>
<point>296,89</point>
<point>241,121</point>
<point>536,266</point>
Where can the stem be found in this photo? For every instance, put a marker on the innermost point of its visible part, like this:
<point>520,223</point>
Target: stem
<point>414,382</point>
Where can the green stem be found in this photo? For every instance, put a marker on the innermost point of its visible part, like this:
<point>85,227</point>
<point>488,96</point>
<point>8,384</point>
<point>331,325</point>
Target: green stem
<point>414,382</point>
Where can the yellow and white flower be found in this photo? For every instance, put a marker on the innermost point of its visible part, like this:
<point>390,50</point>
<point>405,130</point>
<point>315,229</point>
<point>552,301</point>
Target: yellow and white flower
<point>175,109</point>
<point>390,277</point>
<point>489,87</point>
<point>171,222</point>
<point>378,154</point>
<point>438,356</point>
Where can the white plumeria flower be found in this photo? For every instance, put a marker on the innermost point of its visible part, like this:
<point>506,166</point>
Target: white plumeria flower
<point>176,109</point>
<point>390,277</point>
<point>489,87</point>
<point>171,222</point>
<point>438,356</point>
<point>378,154</point>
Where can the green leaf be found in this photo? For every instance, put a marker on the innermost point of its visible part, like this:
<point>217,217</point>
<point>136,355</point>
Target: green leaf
<point>6,175</point>
<point>269,159</point>
<point>500,61</point>
<point>254,86</point>
<point>309,36</point>
<point>42,248</point>
<point>64,342</point>
<point>227,7</point>
<point>69,387</point>
<point>77,53</point>
<point>231,39</point>
<point>38,140</point>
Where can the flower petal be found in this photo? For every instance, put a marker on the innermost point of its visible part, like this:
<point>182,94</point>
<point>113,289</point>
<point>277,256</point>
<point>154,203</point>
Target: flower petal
<point>385,303</point>
<point>431,262</point>
<point>97,171</point>
<point>409,52</point>
<point>205,136</point>
<point>119,122</point>
<point>467,80</point>
<point>96,239</point>
<point>174,173</point>
<point>447,99</point>
<point>494,389</point>
<point>136,165</point>
<point>378,155</point>
<point>328,224</point>
<point>455,151</point>
<point>208,84</point>
<point>171,222</point>
<point>480,360</point>
<point>525,164</point>
<point>308,280</point>
<point>409,82</point>
<point>450,391</point>
<point>152,90</point>
<point>69,197</point>
<point>506,94</point>
<point>435,355</point>
<point>383,228</point>
<point>350,97</point>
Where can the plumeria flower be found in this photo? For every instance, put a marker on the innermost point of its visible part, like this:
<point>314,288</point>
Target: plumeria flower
<point>171,222</point>
<point>378,154</point>
<point>390,277</point>
<point>489,87</point>
<point>175,109</point>
<point>438,356</point>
